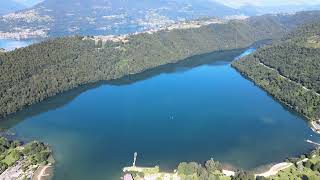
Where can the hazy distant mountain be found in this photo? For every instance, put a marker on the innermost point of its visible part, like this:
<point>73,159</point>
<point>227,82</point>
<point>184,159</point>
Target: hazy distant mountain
<point>61,17</point>
<point>8,6</point>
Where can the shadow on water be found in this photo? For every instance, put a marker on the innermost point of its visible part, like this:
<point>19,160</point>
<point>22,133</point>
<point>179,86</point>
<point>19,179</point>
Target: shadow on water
<point>213,58</point>
<point>284,106</point>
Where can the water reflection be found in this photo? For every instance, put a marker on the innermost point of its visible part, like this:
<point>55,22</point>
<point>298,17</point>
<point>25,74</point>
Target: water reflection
<point>214,58</point>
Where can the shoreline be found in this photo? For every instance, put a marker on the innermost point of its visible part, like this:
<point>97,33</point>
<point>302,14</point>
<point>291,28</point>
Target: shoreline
<point>41,172</point>
<point>275,169</point>
<point>315,127</point>
<point>271,169</point>
<point>310,121</point>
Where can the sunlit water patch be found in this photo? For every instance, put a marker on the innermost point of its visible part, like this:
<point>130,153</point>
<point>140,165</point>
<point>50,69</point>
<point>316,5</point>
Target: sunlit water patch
<point>9,44</point>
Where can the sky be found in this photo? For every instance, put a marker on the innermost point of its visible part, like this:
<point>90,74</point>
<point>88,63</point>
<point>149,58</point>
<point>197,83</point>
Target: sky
<point>28,2</point>
<point>231,3</point>
<point>239,3</point>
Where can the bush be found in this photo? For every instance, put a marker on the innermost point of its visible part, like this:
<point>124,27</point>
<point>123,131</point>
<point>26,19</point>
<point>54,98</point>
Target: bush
<point>213,166</point>
<point>12,157</point>
<point>242,175</point>
<point>34,148</point>
<point>4,142</point>
<point>308,164</point>
<point>3,167</point>
<point>261,178</point>
<point>188,168</point>
<point>202,173</point>
<point>15,144</point>
<point>316,167</point>
<point>149,170</point>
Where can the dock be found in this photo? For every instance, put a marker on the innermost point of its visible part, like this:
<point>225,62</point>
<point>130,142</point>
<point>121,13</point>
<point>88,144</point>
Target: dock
<point>311,142</point>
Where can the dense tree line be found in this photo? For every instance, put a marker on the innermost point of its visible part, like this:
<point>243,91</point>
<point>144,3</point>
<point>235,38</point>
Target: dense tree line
<point>307,166</point>
<point>303,101</point>
<point>31,74</point>
<point>303,32</point>
<point>297,62</point>
<point>211,170</point>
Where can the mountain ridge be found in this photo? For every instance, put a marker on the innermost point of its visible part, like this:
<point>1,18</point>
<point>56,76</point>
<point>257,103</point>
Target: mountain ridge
<point>96,17</point>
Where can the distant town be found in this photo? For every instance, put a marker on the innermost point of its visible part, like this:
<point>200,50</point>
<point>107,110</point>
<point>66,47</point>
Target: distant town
<point>153,24</point>
<point>168,27</point>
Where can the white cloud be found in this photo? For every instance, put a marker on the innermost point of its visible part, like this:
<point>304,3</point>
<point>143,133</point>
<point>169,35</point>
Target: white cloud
<point>239,3</point>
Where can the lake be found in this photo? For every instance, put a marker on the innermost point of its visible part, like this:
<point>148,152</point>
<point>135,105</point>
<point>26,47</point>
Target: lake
<point>10,44</point>
<point>194,110</point>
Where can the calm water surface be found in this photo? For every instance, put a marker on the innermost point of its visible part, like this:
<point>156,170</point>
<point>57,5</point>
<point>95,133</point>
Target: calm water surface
<point>9,44</point>
<point>189,111</point>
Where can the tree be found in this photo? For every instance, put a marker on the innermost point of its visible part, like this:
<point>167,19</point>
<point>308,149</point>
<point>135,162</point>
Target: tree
<point>3,167</point>
<point>213,166</point>
<point>188,168</point>
<point>242,175</point>
<point>308,164</point>
<point>261,178</point>
<point>316,167</point>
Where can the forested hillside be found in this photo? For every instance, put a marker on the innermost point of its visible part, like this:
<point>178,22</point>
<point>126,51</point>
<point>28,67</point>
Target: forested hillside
<point>31,74</point>
<point>289,70</point>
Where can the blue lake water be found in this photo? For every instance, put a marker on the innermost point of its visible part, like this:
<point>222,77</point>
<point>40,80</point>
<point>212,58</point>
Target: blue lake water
<point>9,44</point>
<point>189,111</point>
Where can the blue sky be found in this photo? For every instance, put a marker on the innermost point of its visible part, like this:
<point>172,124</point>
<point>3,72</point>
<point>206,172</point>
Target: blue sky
<point>239,3</point>
<point>28,2</point>
<point>232,3</point>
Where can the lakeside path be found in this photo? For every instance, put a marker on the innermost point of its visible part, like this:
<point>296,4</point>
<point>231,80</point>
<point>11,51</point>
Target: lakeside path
<point>40,174</point>
<point>314,126</point>
<point>275,169</point>
<point>284,77</point>
<point>271,172</point>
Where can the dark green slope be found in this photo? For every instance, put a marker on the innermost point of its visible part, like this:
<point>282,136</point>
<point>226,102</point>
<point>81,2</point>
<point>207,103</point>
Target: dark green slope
<point>289,70</point>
